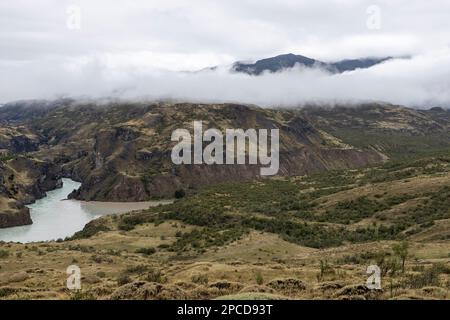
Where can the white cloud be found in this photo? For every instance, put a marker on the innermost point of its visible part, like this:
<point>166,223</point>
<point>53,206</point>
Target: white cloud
<point>125,46</point>
<point>422,80</point>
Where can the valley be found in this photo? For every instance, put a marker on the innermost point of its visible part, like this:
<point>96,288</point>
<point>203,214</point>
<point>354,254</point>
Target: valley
<point>356,185</point>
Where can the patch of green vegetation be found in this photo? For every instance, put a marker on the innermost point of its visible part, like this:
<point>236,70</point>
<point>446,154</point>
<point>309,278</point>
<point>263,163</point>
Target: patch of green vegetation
<point>290,208</point>
<point>259,278</point>
<point>428,277</point>
<point>129,222</point>
<point>155,276</point>
<point>7,291</point>
<point>399,146</point>
<point>146,251</point>
<point>331,179</point>
<point>362,258</point>
<point>180,193</point>
<point>90,229</point>
<point>310,235</point>
<point>200,279</point>
<point>206,237</point>
<point>352,211</point>
<point>325,270</point>
<point>136,269</point>
<point>253,296</point>
<point>396,200</point>
<point>123,279</point>
<point>4,254</point>
<point>82,295</point>
<point>436,207</point>
<point>404,169</point>
<point>6,158</point>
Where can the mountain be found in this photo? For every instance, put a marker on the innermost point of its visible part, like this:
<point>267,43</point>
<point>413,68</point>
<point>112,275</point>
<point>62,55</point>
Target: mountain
<point>287,61</point>
<point>121,151</point>
<point>276,64</point>
<point>353,64</point>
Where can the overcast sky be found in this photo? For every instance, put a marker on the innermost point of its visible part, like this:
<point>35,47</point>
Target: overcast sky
<point>135,48</point>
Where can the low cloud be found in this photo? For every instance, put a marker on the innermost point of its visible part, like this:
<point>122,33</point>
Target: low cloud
<point>422,81</point>
<point>120,49</point>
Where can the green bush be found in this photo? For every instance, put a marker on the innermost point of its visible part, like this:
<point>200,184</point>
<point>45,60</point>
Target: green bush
<point>126,227</point>
<point>353,211</point>
<point>138,269</point>
<point>429,277</point>
<point>200,279</point>
<point>146,251</point>
<point>180,194</point>
<point>4,254</point>
<point>259,278</point>
<point>6,158</point>
<point>155,276</point>
<point>123,279</point>
<point>82,295</point>
<point>89,230</point>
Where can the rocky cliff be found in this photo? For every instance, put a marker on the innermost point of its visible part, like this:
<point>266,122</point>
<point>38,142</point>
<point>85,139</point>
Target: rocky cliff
<point>22,181</point>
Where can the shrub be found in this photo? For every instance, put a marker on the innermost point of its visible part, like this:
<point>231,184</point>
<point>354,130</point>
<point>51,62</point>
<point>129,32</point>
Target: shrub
<point>442,268</point>
<point>125,226</point>
<point>146,251</point>
<point>347,212</point>
<point>259,278</point>
<point>430,277</point>
<point>123,279</point>
<point>387,263</point>
<point>82,295</point>
<point>129,222</point>
<point>101,259</point>
<point>138,269</point>
<point>6,158</point>
<point>3,254</point>
<point>89,230</point>
<point>401,250</point>
<point>180,194</point>
<point>325,269</point>
<point>200,279</point>
<point>155,276</point>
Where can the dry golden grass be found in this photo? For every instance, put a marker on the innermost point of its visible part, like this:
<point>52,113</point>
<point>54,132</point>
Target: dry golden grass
<point>38,271</point>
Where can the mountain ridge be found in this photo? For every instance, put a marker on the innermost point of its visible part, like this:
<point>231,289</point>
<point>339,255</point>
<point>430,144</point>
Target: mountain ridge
<point>288,61</point>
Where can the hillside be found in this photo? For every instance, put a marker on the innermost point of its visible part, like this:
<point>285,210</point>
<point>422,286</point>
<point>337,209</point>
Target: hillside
<point>121,151</point>
<point>395,131</point>
<point>287,238</point>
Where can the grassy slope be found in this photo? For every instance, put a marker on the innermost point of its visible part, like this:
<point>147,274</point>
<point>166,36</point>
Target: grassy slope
<point>236,239</point>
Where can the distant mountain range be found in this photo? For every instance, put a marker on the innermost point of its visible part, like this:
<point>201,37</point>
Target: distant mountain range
<point>287,61</point>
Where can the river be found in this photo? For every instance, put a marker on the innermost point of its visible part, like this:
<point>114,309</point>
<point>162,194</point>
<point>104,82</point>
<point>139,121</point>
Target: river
<point>56,217</point>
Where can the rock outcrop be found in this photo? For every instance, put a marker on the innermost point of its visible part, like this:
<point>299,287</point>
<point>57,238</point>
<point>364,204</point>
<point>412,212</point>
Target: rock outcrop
<point>22,181</point>
<point>15,217</point>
